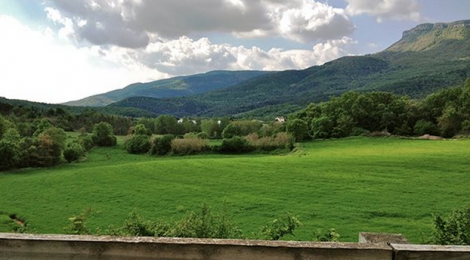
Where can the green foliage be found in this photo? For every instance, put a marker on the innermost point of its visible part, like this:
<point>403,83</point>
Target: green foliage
<point>141,129</point>
<point>166,124</point>
<point>322,127</point>
<point>299,129</point>
<point>8,155</point>
<point>161,145</point>
<point>86,141</point>
<point>235,145</point>
<point>103,135</point>
<point>73,152</point>
<point>78,224</point>
<point>230,131</point>
<point>212,128</point>
<point>50,147</point>
<point>455,229</point>
<point>425,127</point>
<point>205,224</point>
<point>138,144</point>
<point>136,225</point>
<point>3,126</point>
<point>280,227</point>
<point>326,236</point>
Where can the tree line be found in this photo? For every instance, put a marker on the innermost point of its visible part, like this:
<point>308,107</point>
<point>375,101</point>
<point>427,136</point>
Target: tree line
<point>445,113</point>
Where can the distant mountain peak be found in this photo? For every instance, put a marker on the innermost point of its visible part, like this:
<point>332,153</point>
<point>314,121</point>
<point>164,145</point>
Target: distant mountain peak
<point>428,36</point>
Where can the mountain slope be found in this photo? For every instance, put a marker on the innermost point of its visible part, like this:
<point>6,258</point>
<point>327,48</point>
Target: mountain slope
<point>427,58</point>
<point>173,87</point>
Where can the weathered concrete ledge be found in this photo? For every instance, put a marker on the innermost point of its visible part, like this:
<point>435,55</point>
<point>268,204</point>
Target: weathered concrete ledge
<point>23,246</point>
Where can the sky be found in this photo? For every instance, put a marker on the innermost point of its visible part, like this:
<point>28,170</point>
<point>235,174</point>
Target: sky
<point>55,51</point>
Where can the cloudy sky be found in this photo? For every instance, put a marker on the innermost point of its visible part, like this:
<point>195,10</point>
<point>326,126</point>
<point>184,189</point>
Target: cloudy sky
<point>56,50</point>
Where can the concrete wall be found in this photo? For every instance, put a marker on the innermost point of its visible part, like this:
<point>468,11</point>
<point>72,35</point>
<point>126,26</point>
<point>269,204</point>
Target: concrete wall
<point>51,247</point>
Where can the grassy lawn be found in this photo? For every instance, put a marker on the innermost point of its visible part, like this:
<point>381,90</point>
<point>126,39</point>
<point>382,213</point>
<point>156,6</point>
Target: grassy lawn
<point>353,185</point>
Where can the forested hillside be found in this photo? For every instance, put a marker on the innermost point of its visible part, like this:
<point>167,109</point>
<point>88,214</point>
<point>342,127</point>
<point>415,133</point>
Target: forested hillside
<point>428,58</point>
<point>173,87</point>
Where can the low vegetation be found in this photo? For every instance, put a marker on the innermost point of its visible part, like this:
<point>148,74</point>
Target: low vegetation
<point>351,185</point>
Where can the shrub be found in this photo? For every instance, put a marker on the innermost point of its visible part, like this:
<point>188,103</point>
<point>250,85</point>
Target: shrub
<point>162,145</point>
<point>77,225</point>
<point>326,236</point>
<point>202,135</point>
<point>190,135</point>
<point>230,131</point>
<point>86,141</point>
<point>138,144</point>
<point>425,127</point>
<point>279,227</point>
<point>235,145</point>
<point>269,143</point>
<point>136,225</point>
<point>205,224</point>
<point>188,146</point>
<point>455,230</point>
<point>73,152</point>
<point>103,135</point>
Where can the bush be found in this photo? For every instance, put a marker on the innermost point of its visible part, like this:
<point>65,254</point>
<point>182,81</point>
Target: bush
<point>455,230</point>
<point>279,227</point>
<point>235,145</point>
<point>202,135</point>
<point>230,131</point>
<point>162,145</point>
<point>138,144</point>
<point>188,146</point>
<point>205,224</point>
<point>77,225</point>
<point>326,236</point>
<point>269,143</point>
<point>86,142</point>
<point>425,127</point>
<point>73,152</point>
<point>103,135</point>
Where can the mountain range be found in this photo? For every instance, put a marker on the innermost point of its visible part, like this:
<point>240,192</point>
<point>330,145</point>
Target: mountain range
<point>427,58</point>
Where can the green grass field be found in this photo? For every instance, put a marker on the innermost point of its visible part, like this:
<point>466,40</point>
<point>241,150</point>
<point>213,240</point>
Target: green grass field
<point>353,185</point>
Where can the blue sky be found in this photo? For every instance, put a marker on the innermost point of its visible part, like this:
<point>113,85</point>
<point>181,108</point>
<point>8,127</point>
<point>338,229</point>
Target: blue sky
<point>55,51</point>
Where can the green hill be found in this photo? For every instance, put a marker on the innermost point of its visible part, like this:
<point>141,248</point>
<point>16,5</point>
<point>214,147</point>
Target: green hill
<point>428,58</point>
<point>173,87</point>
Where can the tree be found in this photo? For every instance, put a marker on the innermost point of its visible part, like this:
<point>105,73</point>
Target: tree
<point>8,155</point>
<point>138,144</point>
<point>322,127</point>
<point>141,129</point>
<point>162,145</point>
<point>50,146</point>
<point>73,152</point>
<point>230,131</point>
<point>299,129</point>
<point>166,124</point>
<point>103,135</point>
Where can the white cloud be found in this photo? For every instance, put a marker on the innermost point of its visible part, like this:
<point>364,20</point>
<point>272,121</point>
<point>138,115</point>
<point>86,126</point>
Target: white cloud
<point>386,9</point>
<point>188,56</point>
<point>128,23</point>
<point>36,65</point>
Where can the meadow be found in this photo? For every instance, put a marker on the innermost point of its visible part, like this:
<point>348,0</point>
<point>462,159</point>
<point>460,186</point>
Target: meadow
<point>353,185</point>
